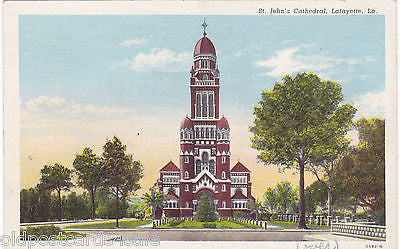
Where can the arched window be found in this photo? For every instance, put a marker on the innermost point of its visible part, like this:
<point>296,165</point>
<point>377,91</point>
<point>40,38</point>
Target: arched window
<point>186,187</point>
<point>205,77</point>
<point>223,188</point>
<point>212,133</point>
<point>187,204</point>
<point>212,167</point>
<point>198,105</point>
<point>198,167</point>
<point>197,132</point>
<point>186,174</point>
<point>223,159</point>
<point>211,105</point>
<point>223,204</point>
<point>204,105</point>
<point>206,136</point>
<point>218,135</point>
<point>223,175</point>
<point>202,132</point>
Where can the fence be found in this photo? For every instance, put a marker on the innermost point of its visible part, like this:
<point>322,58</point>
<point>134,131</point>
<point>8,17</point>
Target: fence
<point>260,223</point>
<point>319,219</point>
<point>366,231</point>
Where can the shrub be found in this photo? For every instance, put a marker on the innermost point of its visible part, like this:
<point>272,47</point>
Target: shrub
<point>42,230</point>
<point>209,225</point>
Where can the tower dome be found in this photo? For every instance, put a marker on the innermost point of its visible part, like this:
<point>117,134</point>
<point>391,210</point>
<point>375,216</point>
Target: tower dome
<point>186,123</point>
<point>223,123</point>
<point>204,46</point>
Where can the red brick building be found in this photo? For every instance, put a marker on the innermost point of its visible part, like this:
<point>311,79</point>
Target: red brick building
<point>204,161</point>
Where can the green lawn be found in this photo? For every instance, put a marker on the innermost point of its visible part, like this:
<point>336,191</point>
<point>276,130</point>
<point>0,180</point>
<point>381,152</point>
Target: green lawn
<point>198,224</point>
<point>49,232</point>
<point>292,224</point>
<point>111,224</point>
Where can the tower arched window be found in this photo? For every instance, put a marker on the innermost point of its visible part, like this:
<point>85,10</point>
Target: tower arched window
<point>223,204</point>
<point>186,175</point>
<point>206,136</point>
<point>198,105</point>
<point>204,105</point>
<point>211,105</point>
<point>223,187</point>
<point>181,134</point>
<point>223,175</point>
<point>212,167</point>
<point>202,133</point>
<point>197,132</point>
<point>186,187</point>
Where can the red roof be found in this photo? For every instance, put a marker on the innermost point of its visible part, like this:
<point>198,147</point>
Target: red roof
<point>204,46</point>
<point>239,167</point>
<point>223,123</point>
<point>170,167</point>
<point>186,123</point>
<point>239,195</point>
<point>171,195</point>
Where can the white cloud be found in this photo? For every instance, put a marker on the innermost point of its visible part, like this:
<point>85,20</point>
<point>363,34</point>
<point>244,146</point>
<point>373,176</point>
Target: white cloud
<point>54,105</point>
<point>133,42</point>
<point>45,102</point>
<point>159,60</point>
<point>290,60</point>
<point>371,104</point>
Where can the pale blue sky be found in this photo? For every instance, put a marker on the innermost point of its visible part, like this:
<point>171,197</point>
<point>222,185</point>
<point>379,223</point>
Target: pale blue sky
<point>79,57</point>
<point>86,78</point>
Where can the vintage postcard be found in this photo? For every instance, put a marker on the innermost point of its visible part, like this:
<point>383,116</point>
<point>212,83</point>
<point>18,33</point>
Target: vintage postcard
<point>212,123</point>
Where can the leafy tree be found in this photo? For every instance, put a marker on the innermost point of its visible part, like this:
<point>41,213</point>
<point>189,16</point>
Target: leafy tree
<point>37,205</point>
<point>286,195</point>
<point>106,205</point>
<point>56,177</point>
<point>121,174</point>
<point>316,195</point>
<point>138,207</point>
<point>293,121</point>
<point>88,168</point>
<point>256,208</point>
<point>205,211</point>
<point>155,199</point>
<point>271,199</point>
<point>362,171</point>
<point>76,206</point>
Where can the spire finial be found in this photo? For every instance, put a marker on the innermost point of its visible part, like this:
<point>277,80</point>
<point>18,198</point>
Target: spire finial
<point>204,26</point>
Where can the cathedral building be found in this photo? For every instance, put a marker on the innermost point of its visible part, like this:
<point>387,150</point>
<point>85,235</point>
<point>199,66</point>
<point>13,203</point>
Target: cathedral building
<point>204,160</point>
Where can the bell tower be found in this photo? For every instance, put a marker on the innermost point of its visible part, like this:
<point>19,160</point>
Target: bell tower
<point>204,80</point>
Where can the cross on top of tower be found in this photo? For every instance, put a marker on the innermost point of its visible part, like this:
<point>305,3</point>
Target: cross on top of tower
<point>204,26</point>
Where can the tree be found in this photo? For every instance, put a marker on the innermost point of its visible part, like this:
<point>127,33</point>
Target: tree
<point>271,199</point>
<point>37,205</point>
<point>256,207</point>
<point>121,174</point>
<point>205,211</point>
<point>362,171</point>
<point>88,168</point>
<point>155,199</point>
<point>316,195</point>
<point>56,177</point>
<point>76,206</point>
<point>293,120</point>
<point>286,195</point>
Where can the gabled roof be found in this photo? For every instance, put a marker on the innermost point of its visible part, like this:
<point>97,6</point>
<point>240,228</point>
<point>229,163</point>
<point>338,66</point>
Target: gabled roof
<point>171,195</point>
<point>170,167</point>
<point>239,167</point>
<point>239,195</point>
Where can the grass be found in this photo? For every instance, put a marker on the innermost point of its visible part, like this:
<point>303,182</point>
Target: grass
<point>293,224</point>
<point>111,224</point>
<point>198,224</point>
